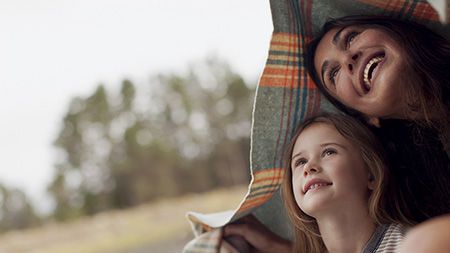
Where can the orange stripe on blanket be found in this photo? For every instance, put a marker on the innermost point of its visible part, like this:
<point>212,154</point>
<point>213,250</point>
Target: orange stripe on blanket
<point>255,202</point>
<point>281,73</point>
<point>284,37</point>
<point>421,10</point>
<point>290,58</point>
<point>385,5</point>
<point>291,48</point>
<point>266,177</point>
<point>287,42</point>
<point>424,11</point>
<point>268,172</point>
<point>276,67</point>
<point>263,176</point>
<point>289,80</point>
<point>279,82</point>
<point>261,192</point>
<point>293,44</point>
<point>260,181</point>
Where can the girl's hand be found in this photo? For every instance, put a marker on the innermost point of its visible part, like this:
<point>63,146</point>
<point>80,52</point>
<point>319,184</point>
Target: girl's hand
<point>259,237</point>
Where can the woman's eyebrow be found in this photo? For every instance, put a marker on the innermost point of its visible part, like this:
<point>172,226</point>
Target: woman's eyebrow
<point>324,68</point>
<point>335,40</point>
<point>337,36</point>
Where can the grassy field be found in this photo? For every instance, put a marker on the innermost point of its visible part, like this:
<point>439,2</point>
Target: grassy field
<point>159,227</point>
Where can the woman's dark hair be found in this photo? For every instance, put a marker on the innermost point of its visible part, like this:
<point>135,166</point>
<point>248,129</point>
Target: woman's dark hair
<point>429,58</point>
<point>420,171</point>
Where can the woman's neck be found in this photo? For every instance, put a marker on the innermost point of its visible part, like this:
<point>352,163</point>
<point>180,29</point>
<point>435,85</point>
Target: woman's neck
<point>346,232</point>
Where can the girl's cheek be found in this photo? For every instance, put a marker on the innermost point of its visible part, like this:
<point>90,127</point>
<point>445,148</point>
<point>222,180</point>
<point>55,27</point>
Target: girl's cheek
<point>297,189</point>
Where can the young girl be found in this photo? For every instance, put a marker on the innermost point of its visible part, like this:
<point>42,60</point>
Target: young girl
<point>335,187</point>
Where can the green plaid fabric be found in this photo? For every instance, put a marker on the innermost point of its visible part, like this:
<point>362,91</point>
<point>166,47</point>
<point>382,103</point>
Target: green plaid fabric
<point>285,96</point>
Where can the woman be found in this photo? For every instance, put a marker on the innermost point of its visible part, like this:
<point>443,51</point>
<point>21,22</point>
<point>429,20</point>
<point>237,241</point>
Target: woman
<point>394,74</point>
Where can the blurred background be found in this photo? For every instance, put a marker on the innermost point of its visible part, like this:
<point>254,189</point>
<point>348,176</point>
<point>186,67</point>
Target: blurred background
<point>119,116</point>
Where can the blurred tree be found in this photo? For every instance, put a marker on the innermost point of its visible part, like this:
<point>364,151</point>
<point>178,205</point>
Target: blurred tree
<point>16,211</point>
<point>183,133</point>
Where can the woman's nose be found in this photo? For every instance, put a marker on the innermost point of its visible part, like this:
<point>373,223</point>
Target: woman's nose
<point>352,61</point>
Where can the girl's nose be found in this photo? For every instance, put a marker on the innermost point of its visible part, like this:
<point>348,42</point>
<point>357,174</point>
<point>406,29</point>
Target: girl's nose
<point>310,168</point>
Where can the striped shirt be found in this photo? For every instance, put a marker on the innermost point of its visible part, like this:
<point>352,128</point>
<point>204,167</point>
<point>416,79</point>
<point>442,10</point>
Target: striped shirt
<point>386,239</point>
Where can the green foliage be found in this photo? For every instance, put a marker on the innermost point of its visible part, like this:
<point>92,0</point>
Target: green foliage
<point>182,133</point>
<point>16,212</point>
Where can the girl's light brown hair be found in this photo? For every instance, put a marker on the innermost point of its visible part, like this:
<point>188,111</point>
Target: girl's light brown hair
<point>306,232</point>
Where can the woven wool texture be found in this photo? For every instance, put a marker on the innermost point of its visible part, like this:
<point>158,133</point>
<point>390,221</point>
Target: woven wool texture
<point>285,96</point>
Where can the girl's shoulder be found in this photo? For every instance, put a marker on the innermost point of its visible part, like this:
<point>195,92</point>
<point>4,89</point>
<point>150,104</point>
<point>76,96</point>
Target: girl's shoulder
<point>392,238</point>
<point>395,231</point>
<point>387,238</point>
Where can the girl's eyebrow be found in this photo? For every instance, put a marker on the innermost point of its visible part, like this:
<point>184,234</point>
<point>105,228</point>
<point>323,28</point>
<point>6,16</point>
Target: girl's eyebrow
<point>333,143</point>
<point>299,153</point>
<point>323,145</point>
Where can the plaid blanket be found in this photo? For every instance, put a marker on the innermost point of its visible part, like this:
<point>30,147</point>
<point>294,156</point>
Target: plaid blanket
<point>285,96</point>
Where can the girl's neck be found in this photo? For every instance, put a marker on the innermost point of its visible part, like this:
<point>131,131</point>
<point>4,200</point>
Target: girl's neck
<point>346,232</point>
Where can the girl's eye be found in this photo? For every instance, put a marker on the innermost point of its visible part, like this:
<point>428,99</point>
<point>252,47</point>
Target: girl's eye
<point>328,152</point>
<point>300,161</point>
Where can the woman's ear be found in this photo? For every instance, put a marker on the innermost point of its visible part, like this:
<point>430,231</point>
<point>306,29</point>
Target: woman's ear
<point>374,121</point>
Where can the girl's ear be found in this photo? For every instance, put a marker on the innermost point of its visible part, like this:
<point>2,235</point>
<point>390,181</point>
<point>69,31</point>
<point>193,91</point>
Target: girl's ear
<point>371,182</point>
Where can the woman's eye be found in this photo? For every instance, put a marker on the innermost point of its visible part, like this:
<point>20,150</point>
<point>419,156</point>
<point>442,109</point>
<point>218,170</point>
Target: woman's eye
<point>332,75</point>
<point>349,39</point>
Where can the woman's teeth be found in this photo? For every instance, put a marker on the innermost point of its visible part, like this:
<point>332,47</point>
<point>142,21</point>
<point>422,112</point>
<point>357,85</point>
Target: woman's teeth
<point>369,69</point>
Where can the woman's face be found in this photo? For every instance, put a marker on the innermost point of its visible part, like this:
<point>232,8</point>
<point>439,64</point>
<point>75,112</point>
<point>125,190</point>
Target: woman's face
<point>365,69</point>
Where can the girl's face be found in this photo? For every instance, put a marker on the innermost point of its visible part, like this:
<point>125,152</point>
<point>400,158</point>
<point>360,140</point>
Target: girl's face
<point>365,69</point>
<point>328,172</point>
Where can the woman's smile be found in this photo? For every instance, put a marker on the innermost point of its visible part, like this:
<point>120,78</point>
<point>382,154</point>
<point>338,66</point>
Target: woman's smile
<point>370,71</point>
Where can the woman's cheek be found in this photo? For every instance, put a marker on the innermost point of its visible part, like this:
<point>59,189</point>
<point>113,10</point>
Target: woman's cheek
<point>345,91</point>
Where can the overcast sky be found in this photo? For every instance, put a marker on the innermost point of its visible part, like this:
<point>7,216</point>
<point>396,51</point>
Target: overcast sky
<point>53,50</point>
